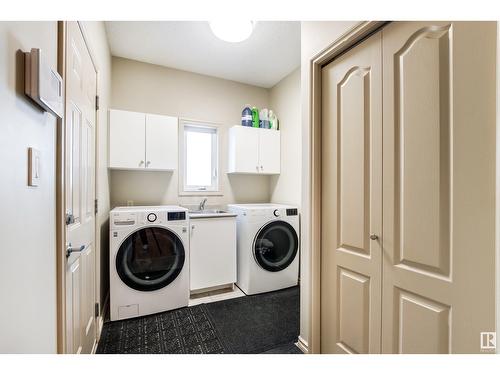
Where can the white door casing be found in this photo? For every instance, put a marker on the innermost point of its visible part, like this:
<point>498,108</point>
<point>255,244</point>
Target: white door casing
<point>80,129</point>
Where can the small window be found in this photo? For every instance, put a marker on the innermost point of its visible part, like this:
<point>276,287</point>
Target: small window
<point>200,159</point>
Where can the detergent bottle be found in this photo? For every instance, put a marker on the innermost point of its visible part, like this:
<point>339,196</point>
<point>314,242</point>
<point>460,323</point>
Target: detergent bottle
<point>255,117</point>
<point>246,116</point>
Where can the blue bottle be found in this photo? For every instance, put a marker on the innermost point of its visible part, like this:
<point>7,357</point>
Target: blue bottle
<point>246,116</point>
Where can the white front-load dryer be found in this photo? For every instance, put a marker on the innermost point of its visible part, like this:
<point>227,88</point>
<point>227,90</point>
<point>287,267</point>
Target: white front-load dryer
<point>149,260</point>
<point>268,246</point>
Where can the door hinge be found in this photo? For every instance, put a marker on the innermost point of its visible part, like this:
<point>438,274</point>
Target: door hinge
<point>95,206</point>
<point>97,102</point>
<point>97,309</point>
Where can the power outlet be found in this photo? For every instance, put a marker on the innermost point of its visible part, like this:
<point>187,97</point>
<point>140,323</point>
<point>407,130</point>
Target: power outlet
<point>130,203</point>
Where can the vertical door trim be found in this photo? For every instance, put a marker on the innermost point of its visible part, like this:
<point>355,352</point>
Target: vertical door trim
<point>497,195</point>
<point>61,187</point>
<point>312,238</point>
<point>60,199</point>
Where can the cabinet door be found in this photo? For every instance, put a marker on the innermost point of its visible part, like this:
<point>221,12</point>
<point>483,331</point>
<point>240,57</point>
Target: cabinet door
<point>161,142</point>
<point>439,186</point>
<point>269,151</point>
<point>351,259</point>
<point>243,150</point>
<point>127,139</point>
<point>212,252</point>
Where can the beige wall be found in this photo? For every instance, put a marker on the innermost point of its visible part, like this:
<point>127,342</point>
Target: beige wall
<point>315,37</point>
<point>98,43</point>
<point>27,221</point>
<point>284,99</point>
<point>151,88</point>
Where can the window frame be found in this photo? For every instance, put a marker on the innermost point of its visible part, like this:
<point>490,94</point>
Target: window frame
<point>203,126</point>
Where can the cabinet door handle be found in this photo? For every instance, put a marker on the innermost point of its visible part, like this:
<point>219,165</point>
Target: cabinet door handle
<point>147,163</point>
<point>261,168</point>
<point>141,163</point>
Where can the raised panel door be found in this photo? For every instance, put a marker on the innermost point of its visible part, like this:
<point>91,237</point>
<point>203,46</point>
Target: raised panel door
<point>80,130</point>
<point>438,202</point>
<point>351,201</point>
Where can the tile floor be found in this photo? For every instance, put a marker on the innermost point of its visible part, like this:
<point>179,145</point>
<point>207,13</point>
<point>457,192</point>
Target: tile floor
<point>215,295</point>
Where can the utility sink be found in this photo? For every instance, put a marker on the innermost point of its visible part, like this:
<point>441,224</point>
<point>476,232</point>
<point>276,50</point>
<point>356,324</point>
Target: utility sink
<point>208,212</point>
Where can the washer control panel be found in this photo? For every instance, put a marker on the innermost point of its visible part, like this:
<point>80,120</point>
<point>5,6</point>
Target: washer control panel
<point>152,217</point>
<point>277,213</point>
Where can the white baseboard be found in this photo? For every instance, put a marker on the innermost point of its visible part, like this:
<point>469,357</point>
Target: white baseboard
<point>302,345</point>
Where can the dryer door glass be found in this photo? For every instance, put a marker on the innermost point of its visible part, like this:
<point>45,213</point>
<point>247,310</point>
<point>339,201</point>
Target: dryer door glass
<point>150,259</point>
<point>276,246</point>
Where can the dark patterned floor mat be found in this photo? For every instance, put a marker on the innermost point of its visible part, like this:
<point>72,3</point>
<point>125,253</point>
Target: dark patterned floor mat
<point>183,331</point>
<point>265,323</point>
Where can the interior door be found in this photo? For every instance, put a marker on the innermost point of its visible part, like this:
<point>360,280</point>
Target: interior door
<point>439,186</point>
<point>161,142</point>
<point>351,201</point>
<point>269,151</point>
<point>80,193</point>
<point>127,140</point>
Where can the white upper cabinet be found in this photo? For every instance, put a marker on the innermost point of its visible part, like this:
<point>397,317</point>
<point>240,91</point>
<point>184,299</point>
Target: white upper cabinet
<point>127,140</point>
<point>243,150</point>
<point>254,150</point>
<point>269,151</point>
<point>161,142</point>
<point>142,141</point>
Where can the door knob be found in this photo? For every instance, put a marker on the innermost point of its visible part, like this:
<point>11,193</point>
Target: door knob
<point>373,236</point>
<point>71,249</point>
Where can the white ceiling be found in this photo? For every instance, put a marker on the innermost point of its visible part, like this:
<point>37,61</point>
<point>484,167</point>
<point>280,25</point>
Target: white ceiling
<point>271,52</point>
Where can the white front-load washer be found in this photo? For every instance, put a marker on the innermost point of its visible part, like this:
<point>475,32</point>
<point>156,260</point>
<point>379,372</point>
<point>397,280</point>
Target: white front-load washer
<point>268,246</point>
<point>149,260</point>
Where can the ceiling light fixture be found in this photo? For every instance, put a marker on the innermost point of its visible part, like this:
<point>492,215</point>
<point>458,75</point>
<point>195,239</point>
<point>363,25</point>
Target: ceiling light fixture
<point>232,31</point>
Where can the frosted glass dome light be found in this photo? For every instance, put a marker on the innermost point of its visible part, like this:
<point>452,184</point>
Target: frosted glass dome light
<point>232,31</point>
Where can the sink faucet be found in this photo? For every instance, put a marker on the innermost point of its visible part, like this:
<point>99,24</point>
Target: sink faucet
<point>201,207</point>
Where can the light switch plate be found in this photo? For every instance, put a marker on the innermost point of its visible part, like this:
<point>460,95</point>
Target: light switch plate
<point>33,167</point>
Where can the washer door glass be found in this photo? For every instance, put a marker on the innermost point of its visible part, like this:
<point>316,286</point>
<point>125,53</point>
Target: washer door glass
<point>276,246</point>
<point>150,259</point>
